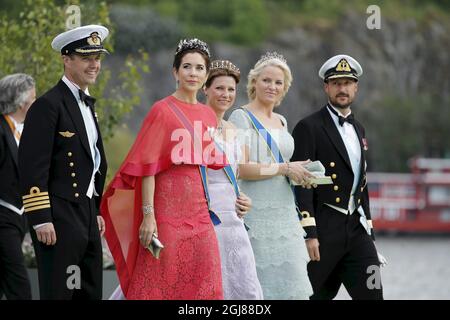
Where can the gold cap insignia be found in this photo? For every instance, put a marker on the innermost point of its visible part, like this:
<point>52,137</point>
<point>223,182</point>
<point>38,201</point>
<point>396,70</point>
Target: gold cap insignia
<point>94,39</point>
<point>343,66</point>
<point>67,134</point>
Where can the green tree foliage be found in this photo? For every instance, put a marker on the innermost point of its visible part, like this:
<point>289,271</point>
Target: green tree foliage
<point>26,48</point>
<point>402,128</point>
<point>236,21</point>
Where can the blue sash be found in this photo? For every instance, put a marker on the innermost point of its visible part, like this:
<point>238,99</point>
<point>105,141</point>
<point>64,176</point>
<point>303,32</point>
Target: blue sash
<point>187,124</point>
<point>230,173</point>
<point>232,177</point>
<point>273,147</point>
<point>214,218</point>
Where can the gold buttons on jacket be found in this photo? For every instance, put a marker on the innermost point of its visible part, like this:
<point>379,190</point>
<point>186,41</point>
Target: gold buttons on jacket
<point>332,164</point>
<point>76,195</point>
<point>334,176</point>
<point>74,185</point>
<point>71,164</point>
<point>73,174</point>
<point>338,200</point>
<point>69,154</point>
<point>335,188</point>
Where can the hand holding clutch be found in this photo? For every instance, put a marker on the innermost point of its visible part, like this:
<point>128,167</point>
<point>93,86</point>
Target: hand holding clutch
<point>318,170</point>
<point>155,246</point>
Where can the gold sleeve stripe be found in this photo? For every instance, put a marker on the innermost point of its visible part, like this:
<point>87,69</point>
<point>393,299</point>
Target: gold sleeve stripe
<point>36,199</point>
<point>308,222</point>
<point>38,203</point>
<point>369,223</point>
<point>37,208</point>
<point>29,196</point>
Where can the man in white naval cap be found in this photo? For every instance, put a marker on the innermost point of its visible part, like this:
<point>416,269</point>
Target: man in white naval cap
<point>62,169</point>
<point>336,217</point>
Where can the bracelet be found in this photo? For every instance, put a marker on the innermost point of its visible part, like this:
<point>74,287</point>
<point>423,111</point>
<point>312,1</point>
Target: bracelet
<point>147,209</point>
<point>288,170</point>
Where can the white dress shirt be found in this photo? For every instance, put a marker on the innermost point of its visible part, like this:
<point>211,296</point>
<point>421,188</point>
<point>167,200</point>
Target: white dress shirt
<point>353,147</point>
<point>91,131</point>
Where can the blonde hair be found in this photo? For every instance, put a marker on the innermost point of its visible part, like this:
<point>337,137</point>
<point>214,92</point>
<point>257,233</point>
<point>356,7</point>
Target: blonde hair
<point>259,67</point>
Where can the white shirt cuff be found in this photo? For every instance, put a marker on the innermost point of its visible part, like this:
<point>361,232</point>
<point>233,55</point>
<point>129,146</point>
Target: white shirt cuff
<point>40,225</point>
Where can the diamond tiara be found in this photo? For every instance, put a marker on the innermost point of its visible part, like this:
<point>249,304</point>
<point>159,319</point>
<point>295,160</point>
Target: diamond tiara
<point>187,44</point>
<point>270,56</point>
<point>224,64</point>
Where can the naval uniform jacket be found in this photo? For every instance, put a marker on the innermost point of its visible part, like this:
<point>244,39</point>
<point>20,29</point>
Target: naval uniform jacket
<point>54,155</point>
<point>317,138</point>
<point>9,174</point>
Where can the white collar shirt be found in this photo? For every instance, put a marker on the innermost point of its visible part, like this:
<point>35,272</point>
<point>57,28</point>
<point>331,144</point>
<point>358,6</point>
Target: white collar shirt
<point>91,130</point>
<point>352,145</point>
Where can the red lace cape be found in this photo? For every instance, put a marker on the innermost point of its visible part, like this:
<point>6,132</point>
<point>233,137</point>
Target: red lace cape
<point>158,146</point>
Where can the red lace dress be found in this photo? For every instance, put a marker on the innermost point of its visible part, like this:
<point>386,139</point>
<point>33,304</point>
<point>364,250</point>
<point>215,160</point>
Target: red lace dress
<point>189,265</point>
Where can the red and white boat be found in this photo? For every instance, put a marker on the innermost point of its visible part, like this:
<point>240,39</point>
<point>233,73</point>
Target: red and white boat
<point>414,202</point>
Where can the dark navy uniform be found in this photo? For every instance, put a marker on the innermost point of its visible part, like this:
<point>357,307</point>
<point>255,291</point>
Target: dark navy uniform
<point>14,281</point>
<point>337,214</point>
<point>57,164</point>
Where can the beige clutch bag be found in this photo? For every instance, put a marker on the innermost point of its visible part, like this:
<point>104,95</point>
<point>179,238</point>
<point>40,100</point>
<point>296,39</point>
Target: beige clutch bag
<point>318,170</point>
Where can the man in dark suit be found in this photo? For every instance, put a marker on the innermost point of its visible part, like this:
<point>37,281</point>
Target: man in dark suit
<point>336,217</point>
<point>62,173</point>
<point>17,93</point>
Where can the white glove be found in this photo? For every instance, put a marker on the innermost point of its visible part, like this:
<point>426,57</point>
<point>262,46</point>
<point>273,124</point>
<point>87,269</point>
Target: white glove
<point>382,259</point>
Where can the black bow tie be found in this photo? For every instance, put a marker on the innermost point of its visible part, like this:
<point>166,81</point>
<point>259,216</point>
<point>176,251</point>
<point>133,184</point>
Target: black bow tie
<point>88,100</point>
<point>350,118</point>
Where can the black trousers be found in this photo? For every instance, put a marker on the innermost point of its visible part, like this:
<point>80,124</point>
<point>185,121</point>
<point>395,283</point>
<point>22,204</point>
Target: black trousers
<point>347,256</point>
<point>72,268</point>
<point>14,282</point>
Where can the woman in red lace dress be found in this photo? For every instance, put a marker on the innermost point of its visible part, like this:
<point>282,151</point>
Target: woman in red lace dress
<point>158,189</point>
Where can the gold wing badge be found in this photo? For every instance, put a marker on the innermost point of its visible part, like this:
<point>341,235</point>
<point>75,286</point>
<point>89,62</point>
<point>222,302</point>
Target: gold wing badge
<point>67,134</point>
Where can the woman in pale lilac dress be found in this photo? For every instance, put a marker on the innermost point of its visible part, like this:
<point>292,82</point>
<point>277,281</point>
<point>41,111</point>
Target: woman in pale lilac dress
<point>239,277</point>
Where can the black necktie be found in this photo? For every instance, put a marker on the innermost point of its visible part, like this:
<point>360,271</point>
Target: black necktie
<point>88,100</point>
<point>350,118</point>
